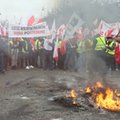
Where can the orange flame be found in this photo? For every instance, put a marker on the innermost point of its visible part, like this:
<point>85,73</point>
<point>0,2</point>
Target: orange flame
<point>106,99</point>
<point>73,94</point>
<point>88,89</point>
<point>99,85</point>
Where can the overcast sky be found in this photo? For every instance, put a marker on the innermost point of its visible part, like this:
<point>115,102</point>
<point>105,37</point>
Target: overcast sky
<point>14,9</point>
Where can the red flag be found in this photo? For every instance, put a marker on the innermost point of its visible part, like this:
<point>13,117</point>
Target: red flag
<point>109,33</point>
<point>40,20</point>
<point>31,21</point>
<point>55,52</point>
<point>63,48</point>
<point>117,54</point>
<point>61,31</point>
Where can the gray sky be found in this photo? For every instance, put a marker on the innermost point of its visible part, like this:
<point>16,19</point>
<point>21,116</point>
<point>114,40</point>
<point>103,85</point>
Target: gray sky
<point>14,9</point>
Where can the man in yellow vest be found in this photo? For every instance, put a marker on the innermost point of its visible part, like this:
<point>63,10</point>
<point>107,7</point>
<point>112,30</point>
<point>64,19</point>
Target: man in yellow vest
<point>37,45</point>
<point>99,45</point>
<point>39,52</point>
<point>97,62</point>
<point>110,53</point>
<point>21,54</point>
<point>80,50</point>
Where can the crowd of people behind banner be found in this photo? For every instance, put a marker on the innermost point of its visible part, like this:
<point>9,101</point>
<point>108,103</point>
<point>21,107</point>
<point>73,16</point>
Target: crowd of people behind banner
<point>73,54</point>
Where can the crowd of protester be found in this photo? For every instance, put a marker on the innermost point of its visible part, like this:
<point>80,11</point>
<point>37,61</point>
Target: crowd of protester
<point>73,54</point>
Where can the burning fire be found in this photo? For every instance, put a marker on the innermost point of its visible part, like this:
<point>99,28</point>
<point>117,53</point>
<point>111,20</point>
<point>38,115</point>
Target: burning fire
<point>100,96</point>
<point>73,96</point>
<point>105,98</point>
<point>88,89</point>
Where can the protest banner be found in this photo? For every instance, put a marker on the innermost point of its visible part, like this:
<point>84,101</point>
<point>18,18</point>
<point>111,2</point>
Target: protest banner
<point>73,25</point>
<point>38,30</point>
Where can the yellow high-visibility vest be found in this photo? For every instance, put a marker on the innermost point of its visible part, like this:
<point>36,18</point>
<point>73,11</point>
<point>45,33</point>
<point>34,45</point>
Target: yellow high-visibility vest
<point>80,47</point>
<point>37,45</point>
<point>101,43</point>
<point>111,52</point>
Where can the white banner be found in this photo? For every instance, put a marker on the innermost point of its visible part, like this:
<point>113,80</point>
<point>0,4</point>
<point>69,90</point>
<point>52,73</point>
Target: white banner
<point>38,30</point>
<point>108,29</point>
<point>73,25</point>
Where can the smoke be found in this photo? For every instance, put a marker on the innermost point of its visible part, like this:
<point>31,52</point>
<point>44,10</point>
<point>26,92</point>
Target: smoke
<point>97,69</point>
<point>88,10</point>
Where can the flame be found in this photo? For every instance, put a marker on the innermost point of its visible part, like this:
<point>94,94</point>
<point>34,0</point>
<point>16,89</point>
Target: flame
<point>99,85</point>
<point>103,97</point>
<point>88,89</point>
<point>73,94</point>
<point>106,99</point>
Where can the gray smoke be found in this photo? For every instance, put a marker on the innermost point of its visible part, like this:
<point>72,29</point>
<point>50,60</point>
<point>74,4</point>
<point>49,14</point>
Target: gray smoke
<point>88,10</point>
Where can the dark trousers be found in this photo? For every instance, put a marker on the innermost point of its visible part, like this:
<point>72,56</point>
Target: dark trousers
<point>70,60</point>
<point>110,61</point>
<point>21,60</point>
<point>36,54</point>
<point>61,59</point>
<point>41,58</point>
<point>48,60</point>
<point>2,65</point>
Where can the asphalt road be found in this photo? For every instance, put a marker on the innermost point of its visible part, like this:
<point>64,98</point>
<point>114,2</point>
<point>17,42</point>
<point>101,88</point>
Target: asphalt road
<point>26,94</point>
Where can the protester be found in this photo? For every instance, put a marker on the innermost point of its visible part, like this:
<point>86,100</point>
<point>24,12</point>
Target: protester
<point>69,63</point>
<point>2,54</point>
<point>21,54</point>
<point>48,53</point>
<point>110,53</point>
<point>14,43</point>
<point>79,52</point>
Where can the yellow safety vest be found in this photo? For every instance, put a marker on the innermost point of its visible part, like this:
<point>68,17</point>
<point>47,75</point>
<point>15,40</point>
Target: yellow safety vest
<point>11,44</point>
<point>59,44</point>
<point>37,45</point>
<point>101,43</point>
<point>23,48</point>
<point>80,47</point>
<point>111,52</point>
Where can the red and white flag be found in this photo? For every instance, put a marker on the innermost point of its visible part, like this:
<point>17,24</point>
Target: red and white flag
<point>55,52</point>
<point>53,30</point>
<point>61,31</point>
<point>3,30</point>
<point>31,21</point>
<point>38,21</point>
